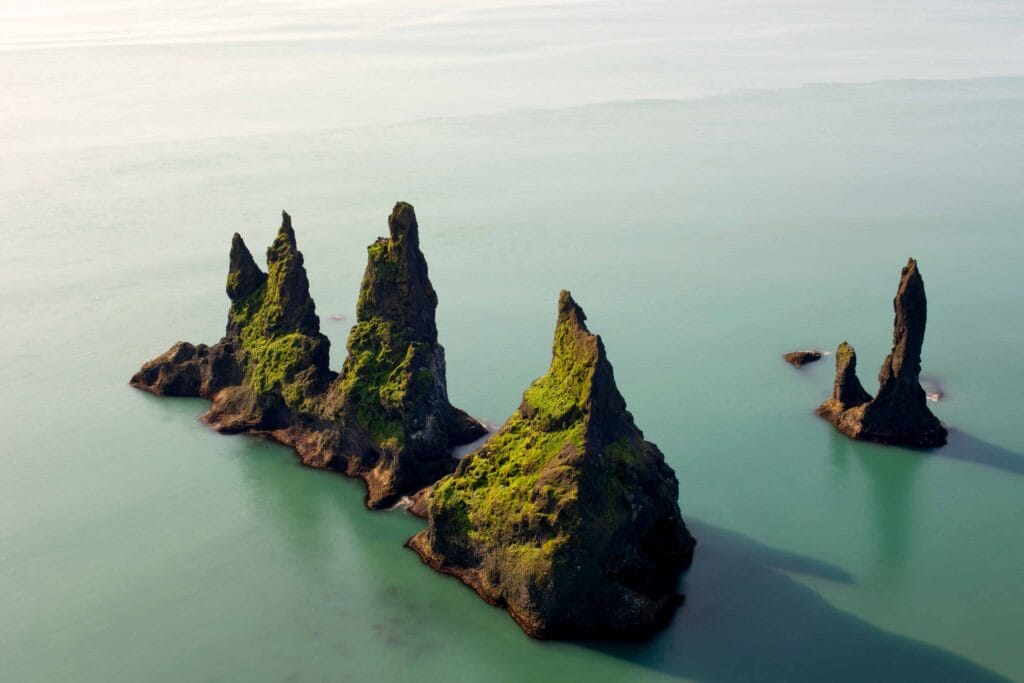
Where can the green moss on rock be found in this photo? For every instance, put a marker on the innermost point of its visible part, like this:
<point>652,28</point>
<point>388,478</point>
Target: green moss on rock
<point>283,351</point>
<point>566,515</point>
<point>385,418</point>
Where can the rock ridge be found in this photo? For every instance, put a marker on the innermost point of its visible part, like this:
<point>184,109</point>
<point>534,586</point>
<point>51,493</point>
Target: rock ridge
<point>385,418</point>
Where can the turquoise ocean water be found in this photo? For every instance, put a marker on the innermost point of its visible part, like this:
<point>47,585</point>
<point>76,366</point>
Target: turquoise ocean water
<point>704,233</point>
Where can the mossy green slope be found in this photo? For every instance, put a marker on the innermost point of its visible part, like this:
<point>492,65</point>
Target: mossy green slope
<point>282,351</point>
<point>567,515</point>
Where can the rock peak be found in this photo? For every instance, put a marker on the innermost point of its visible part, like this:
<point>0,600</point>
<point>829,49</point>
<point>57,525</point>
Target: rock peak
<point>244,276</point>
<point>272,360</point>
<point>570,311</point>
<point>386,419</point>
<point>396,284</point>
<point>899,413</point>
<point>285,232</point>
<point>402,223</point>
<point>392,388</point>
<point>901,400</point>
<point>901,370</point>
<point>847,389</point>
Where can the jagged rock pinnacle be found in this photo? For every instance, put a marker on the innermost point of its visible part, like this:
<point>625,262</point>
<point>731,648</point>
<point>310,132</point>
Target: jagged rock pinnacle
<point>272,357</point>
<point>899,377</point>
<point>288,283</point>
<point>899,414</point>
<point>286,230</point>
<point>569,310</point>
<point>386,419</point>
<point>566,515</point>
<point>392,391</point>
<point>244,276</point>
<point>848,390</point>
<point>396,285</point>
<point>402,223</point>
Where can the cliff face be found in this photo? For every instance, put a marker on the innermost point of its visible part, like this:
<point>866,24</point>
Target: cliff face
<point>567,516</point>
<point>386,418</point>
<point>899,414</point>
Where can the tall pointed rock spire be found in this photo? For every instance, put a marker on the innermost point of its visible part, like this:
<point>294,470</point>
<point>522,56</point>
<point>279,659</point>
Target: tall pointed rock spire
<point>288,286</point>
<point>567,515</point>
<point>899,386</point>
<point>272,359</point>
<point>244,276</point>
<point>396,286</point>
<point>899,414</point>
<point>386,418</point>
<point>391,397</point>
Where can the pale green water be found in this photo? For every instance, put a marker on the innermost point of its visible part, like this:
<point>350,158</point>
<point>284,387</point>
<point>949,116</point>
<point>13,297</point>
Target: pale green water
<point>703,238</point>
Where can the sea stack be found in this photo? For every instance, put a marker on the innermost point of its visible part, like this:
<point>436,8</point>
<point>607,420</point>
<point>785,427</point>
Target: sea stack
<point>567,516</point>
<point>385,418</point>
<point>391,399</point>
<point>899,414</point>
<point>272,360</point>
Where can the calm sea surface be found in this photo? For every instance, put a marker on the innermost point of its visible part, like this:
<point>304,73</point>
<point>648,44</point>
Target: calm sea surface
<point>716,184</point>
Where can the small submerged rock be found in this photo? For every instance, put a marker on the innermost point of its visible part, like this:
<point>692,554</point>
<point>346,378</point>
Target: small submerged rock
<point>567,516</point>
<point>799,358</point>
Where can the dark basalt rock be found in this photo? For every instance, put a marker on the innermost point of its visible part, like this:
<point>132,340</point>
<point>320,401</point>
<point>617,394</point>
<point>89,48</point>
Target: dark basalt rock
<point>799,358</point>
<point>392,391</point>
<point>899,414</point>
<point>386,418</point>
<point>567,516</point>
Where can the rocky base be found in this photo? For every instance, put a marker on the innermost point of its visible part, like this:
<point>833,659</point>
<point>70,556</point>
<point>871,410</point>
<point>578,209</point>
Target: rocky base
<point>851,423</point>
<point>654,618</point>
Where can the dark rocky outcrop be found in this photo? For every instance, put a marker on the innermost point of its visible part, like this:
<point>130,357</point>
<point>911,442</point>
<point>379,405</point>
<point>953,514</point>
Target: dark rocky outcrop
<point>567,516</point>
<point>899,414</point>
<point>391,396</point>
<point>799,358</point>
<point>385,418</point>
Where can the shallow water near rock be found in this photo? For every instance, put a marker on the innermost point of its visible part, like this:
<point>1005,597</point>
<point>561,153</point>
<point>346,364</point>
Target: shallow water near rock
<point>704,237</point>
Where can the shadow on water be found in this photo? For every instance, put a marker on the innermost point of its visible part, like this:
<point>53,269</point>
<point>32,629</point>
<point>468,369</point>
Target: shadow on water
<point>963,446</point>
<point>747,619</point>
<point>890,475</point>
<point>307,508</point>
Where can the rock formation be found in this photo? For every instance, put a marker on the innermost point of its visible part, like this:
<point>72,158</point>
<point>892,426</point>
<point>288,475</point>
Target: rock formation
<point>391,396</point>
<point>567,516</point>
<point>899,414</point>
<point>799,358</point>
<point>385,418</point>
